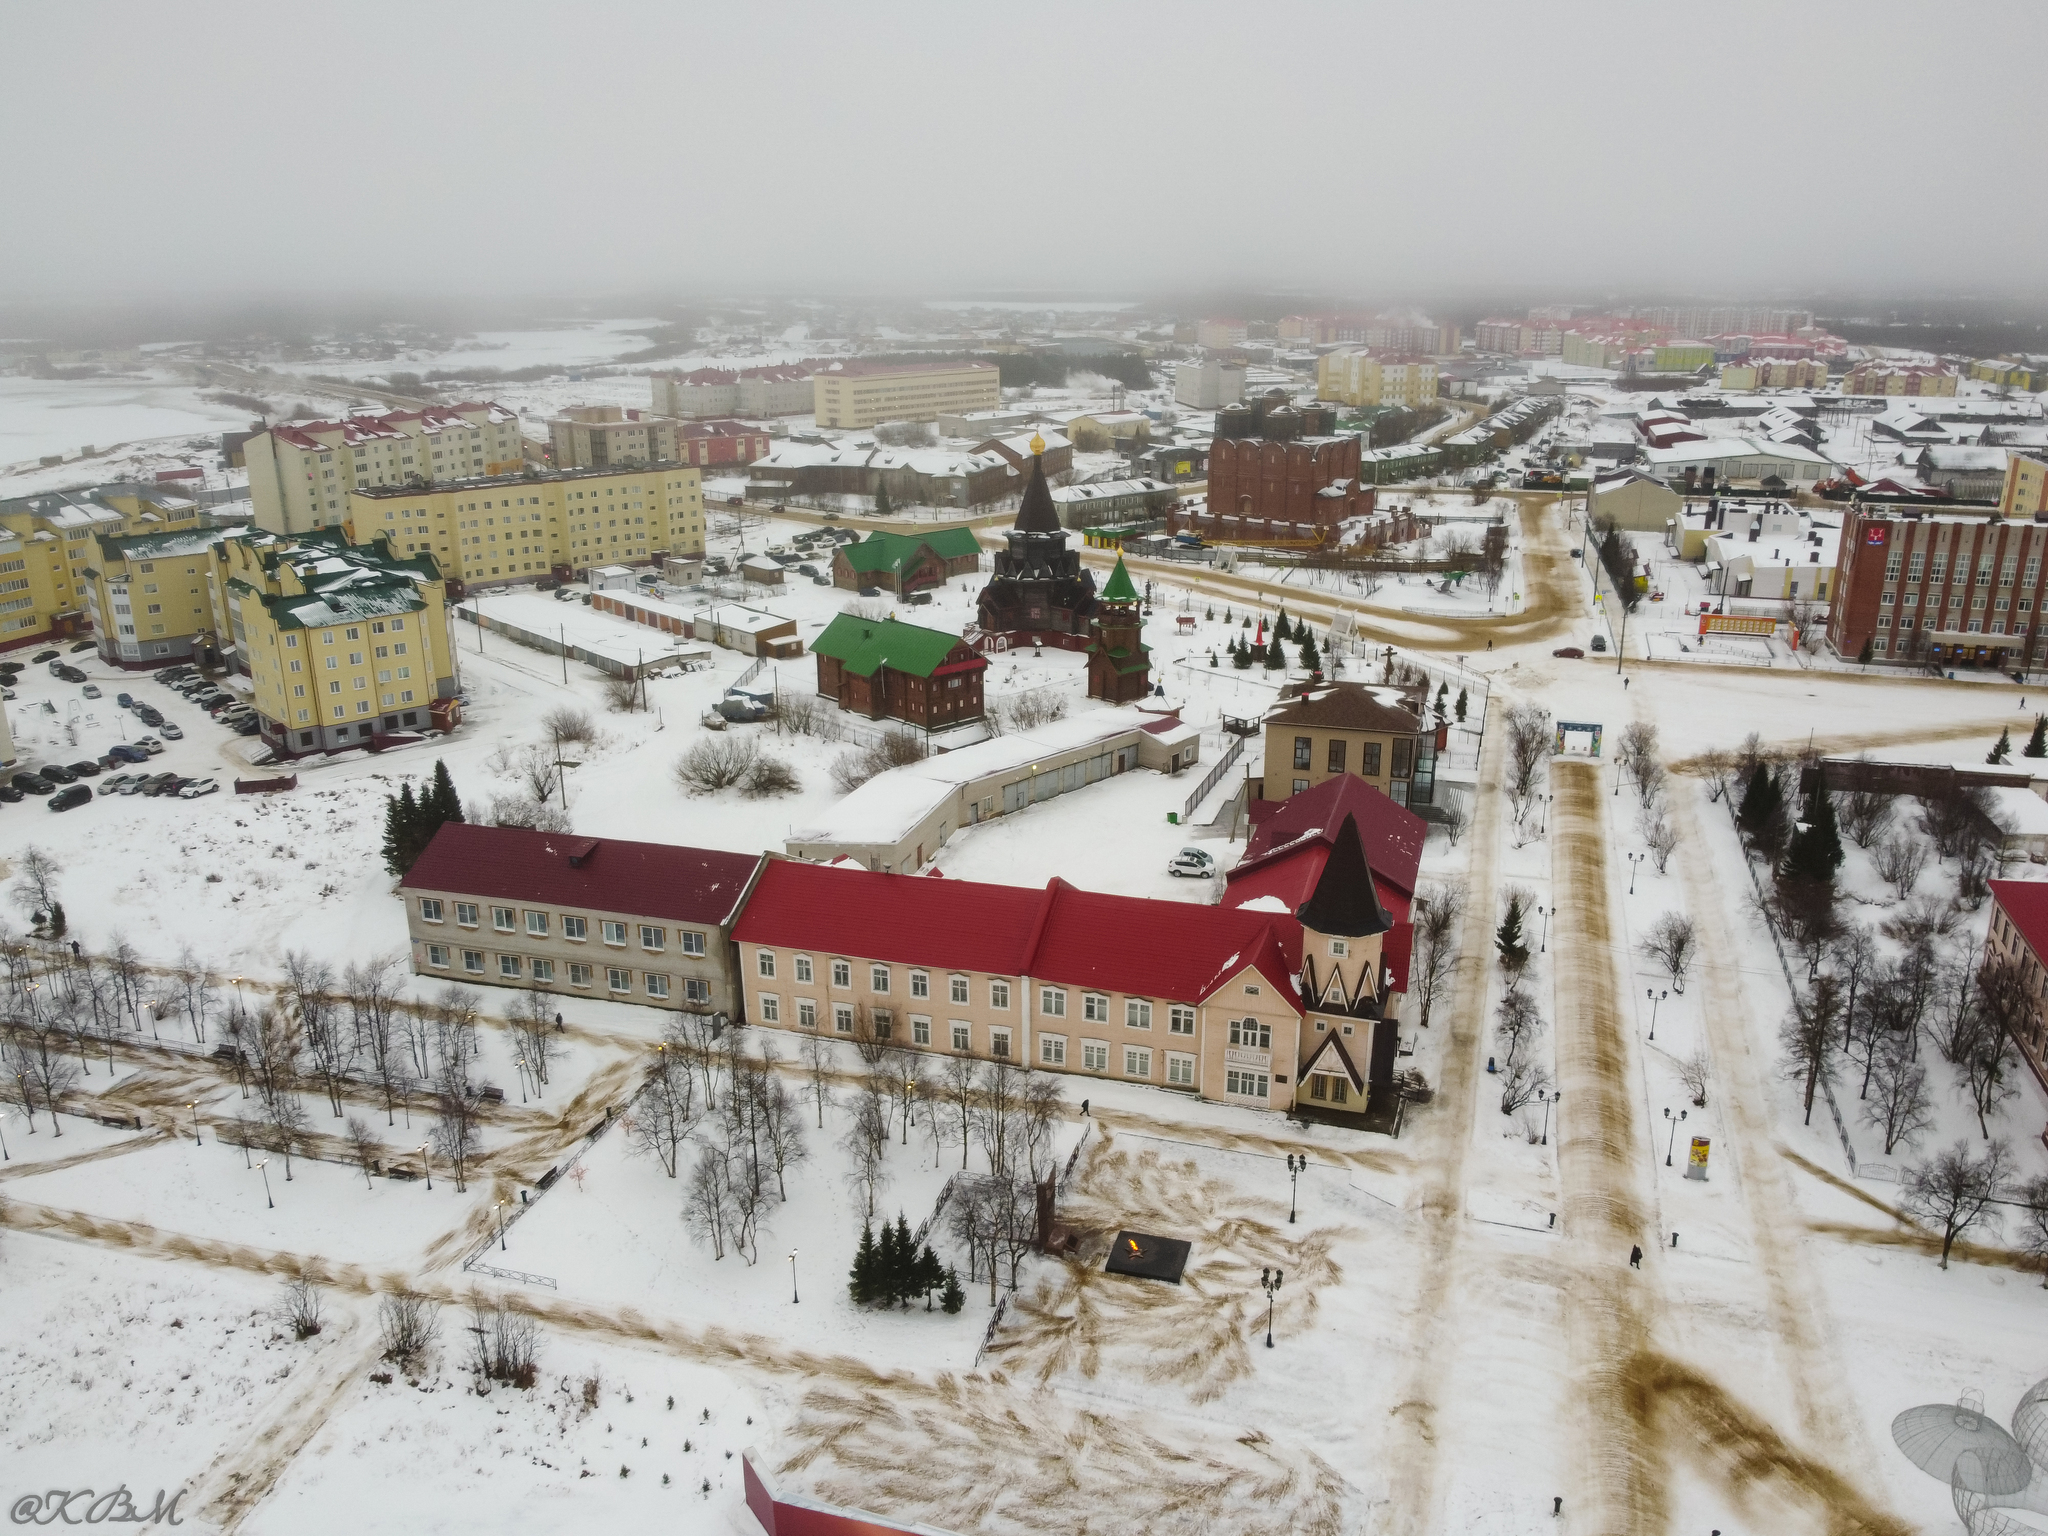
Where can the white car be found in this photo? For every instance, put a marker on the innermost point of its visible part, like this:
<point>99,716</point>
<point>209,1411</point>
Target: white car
<point>171,732</point>
<point>1191,863</point>
<point>117,784</point>
<point>197,788</point>
<point>149,744</point>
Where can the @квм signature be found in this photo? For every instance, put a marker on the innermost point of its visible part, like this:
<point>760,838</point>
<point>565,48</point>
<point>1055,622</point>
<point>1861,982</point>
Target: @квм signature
<point>83,1506</point>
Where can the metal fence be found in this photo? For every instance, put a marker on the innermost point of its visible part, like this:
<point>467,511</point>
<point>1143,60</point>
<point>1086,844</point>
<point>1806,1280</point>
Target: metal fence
<point>1214,777</point>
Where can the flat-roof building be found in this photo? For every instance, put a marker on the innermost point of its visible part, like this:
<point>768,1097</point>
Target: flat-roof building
<point>852,395</point>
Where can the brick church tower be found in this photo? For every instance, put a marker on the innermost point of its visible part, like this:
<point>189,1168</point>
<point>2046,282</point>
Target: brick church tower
<point>1119,663</point>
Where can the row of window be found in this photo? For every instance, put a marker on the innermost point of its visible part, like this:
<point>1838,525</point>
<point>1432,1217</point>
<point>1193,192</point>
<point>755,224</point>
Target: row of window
<point>1052,1001</point>
<point>1940,570</point>
<point>618,978</point>
<point>541,925</point>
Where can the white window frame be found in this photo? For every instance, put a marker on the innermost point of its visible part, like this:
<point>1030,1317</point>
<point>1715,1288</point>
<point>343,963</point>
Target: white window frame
<point>1180,1070</point>
<point>771,1008</point>
<point>1094,1008</point>
<point>803,963</point>
<point>1052,1050</point>
<point>691,940</point>
<point>764,963</point>
<point>842,1018</point>
<point>575,929</point>
<point>1180,1020</point>
<point>613,981</point>
<point>1052,1002</point>
<point>614,933</point>
<point>437,956</point>
<point>963,1034</point>
<point>430,909</point>
<point>842,973</point>
<point>657,934</point>
<point>536,925</point>
<point>656,985</point>
<point>1137,1013</point>
<point>959,989</point>
<point>1094,1055</point>
<point>1138,1062</point>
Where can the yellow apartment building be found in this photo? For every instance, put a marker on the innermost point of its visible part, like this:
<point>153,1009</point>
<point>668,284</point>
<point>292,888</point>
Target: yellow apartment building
<point>2026,486</point>
<point>150,596</point>
<point>1355,376</point>
<point>301,473</point>
<point>853,395</point>
<point>341,640</point>
<point>512,528</point>
<point>47,552</point>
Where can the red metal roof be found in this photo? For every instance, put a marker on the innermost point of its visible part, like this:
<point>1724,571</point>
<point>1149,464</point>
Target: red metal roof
<point>1164,949</point>
<point>2025,904</point>
<point>609,874</point>
<point>1391,836</point>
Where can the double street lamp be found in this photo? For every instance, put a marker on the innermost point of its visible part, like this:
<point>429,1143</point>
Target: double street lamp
<point>264,1169</point>
<point>1295,1165</point>
<point>1672,1141</point>
<point>1269,1282</point>
<point>1656,998</point>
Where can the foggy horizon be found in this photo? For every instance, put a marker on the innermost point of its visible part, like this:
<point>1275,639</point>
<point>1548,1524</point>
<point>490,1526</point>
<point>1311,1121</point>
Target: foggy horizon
<point>225,157</point>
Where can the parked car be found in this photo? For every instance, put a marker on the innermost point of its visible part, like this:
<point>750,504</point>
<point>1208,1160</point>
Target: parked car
<point>125,700</point>
<point>57,773</point>
<point>116,784</point>
<point>10,794</point>
<point>92,690</point>
<point>57,667</point>
<point>83,645</point>
<point>86,768</point>
<point>194,788</point>
<point>149,744</point>
<point>1569,652</point>
<point>1191,863</point>
<point>149,716</point>
<point>76,795</point>
<point>128,753</point>
<point>1599,642</point>
<point>69,673</point>
<point>30,784</point>
<point>44,656</point>
<point>136,783</point>
<point>1578,554</point>
<point>171,732</point>
<point>248,725</point>
<point>162,784</point>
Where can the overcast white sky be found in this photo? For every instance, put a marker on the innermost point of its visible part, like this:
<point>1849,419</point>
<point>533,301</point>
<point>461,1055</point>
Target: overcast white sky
<point>439,146</point>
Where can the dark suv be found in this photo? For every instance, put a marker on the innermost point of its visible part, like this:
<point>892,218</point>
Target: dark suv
<point>31,784</point>
<point>71,798</point>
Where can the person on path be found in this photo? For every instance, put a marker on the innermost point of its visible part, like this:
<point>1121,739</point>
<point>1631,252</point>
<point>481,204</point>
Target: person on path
<point>1635,1257</point>
<point>1625,682</point>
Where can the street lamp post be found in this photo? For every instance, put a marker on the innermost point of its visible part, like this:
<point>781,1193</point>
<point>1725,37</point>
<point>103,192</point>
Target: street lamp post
<point>500,1208</point>
<point>34,1013</point>
<point>1635,862</point>
<point>1672,1141</point>
<point>520,1062</point>
<point>1295,1165</point>
<point>1547,1103</point>
<point>1545,913</point>
<point>1655,998</point>
<point>1269,1282</point>
<point>240,1006</point>
<point>794,1299</point>
<point>264,1169</point>
<point>196,1138</point>
<point>427,1164</point>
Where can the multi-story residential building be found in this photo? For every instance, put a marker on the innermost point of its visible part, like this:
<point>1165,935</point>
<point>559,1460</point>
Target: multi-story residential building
<point>47,552</point>
<point>852,395</point>
<point>300,475</point>
<point>1878,377</point>
<point>1774,373</point>
<point>1207,385</point>
<point>785,390</point>
<point>889,670</point>
<point>342,641</point>
<point>1721,320</point>
<point>2018,936</point>
<point>1221,334</point>
<point>1330,729</point>
<point>2003,370</point>
<point>1240,1005</point>
<point>592,436</point>
<point>721,442</point>
<point>1307,481</point>
<point>1956,589</point>
<point>645,923</point>
<point>1682,356</point>
<point>1498,335</point>
<point>1354,376</point>
<point>150,599</point>
<point>2025,493</point>
<point>516,527</point>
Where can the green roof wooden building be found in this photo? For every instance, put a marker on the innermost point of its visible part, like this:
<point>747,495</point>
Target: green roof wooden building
<point>889,670</point>
<point>1119,662</point>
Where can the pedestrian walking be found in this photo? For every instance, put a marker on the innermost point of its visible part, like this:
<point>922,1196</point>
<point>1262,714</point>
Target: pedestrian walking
<point>1635,1257</point>
<point>1084,1107</point>
<point>1625,682</point>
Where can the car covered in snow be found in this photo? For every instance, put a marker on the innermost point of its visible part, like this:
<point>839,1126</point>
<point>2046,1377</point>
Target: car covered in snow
<point>1191,863</point>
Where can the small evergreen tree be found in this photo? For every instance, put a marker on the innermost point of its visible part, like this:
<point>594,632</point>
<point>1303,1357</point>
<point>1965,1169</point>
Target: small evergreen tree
<point>2037,744</point>
<point>59,924</point>
<point>1276,658</point>
<point>905,1271</point>
<point>1245,622</point>
<point>954,1298</point>
<point>1816,851</point>
<point>1283,627</point>
<point>1461,706</point>
<point>1227,616</point>
<point>2003,751</point>
<point>1210,613</point>
<point>931,1274</point>
<point>446,803</point>
<point>1310,661</point>
<point>861,1280</point>
<point>1863,656</point>
<point>1241,656</point>
<point>882,506</point>
<point>1508,940</point>
<point>401,830</point>
<point>1212,658</point>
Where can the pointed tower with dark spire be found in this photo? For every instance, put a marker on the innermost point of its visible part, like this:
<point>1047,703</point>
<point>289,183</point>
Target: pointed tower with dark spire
<point>1039,594</point>
<point>1119,663</point>
<point>1347,1041</point>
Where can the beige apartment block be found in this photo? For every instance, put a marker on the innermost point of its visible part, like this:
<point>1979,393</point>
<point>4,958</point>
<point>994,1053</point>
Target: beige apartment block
<point>853,395</point>
<point>1354,376</point>
<point>301,473</point>
<point>602,436</point>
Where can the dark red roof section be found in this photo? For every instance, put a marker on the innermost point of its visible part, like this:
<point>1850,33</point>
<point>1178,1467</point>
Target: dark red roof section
<point>594,874</point>
<point>2025,904</point>
<point>1165,949</point>
<point>1391,836</point>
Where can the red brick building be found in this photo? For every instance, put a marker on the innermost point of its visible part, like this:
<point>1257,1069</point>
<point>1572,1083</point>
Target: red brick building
<point>721,442</point>
<point>1948,589</point>
<point>1281,488</point>
<point>888,670</point>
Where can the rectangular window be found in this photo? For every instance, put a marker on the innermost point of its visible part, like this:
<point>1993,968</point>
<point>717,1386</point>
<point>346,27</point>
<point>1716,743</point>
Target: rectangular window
<point>963,1036</point>
<point>1337,756</point>
<point>579,974</point>
<point>465,913</point>
<point>1052,1050</point>
<point>1137,1013</point>
<point>999,1044</point>
<point>1137,1061</point>
<point>1180,1021</point>
<point>437,954</point>
<point>543,970</point>
<point>504,919</point>
<point>1369,752</point>
<point>1253,1034</point>
<point>920,1030</point>
<point>1094,1008</point>
<point>508,965</point>
<point>1180,1071</point>
<point>842,1018</point>
<point>1304,748</point>
<point>999,994</point>
<point>657,986</point>
<point>959,989</point>
<point>1052,1002</point>
<point>878,978</point>
<point>614,933</point>
<point>842,974</point>
<point>619,979</point>
<point>575,928</point>
<point>651,937</point>
<point>806,1013</point>
<point>537,924</point>
<point>693,944</point>
<point>473,961</point>
<point>430,909</point>
<point>1244,1084</point>
<point>803,962</point>
<point>1913,565</point>
<point>920,984</point>
<point>1094,1056</point>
